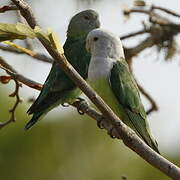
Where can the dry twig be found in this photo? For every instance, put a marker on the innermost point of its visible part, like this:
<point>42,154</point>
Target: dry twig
<point>8,8</point>
<point>161,30</point>
<point>165,10</point>
<point>14,94</point>
<point>12,111</point>
<point>36,55</point>
<point>15,75</point>
<point>27,41</point>
<point>161,33</point>
<point>154,106</point>
<point>17,78</point>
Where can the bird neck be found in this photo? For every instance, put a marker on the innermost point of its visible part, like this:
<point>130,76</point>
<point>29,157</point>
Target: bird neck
<point>76,35</point>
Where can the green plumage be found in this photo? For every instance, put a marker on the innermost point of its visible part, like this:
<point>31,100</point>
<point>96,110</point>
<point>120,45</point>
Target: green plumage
<point>121,93</point>
<point>110,77</point>
<point>58,87</point>
<point>126,91</point>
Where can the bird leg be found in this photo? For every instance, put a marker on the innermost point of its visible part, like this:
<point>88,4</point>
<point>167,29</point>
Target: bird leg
<point>100,122</point>
<point>81,103</point>
<point>110,132</point>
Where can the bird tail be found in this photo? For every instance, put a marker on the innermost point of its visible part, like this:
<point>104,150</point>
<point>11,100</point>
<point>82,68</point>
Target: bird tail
<point>154,144</point>
<point>141,127</point>
<point>36,117</point>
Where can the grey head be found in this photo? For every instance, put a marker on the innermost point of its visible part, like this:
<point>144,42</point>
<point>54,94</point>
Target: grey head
<point>82,23</point>
<point>103,43</point>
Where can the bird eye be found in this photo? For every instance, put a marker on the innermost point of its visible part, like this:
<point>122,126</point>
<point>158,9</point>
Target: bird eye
<point>86,17</point>
<point>95,38</point>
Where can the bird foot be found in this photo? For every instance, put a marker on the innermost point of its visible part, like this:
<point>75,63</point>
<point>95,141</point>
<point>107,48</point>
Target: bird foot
<point>81,103</point>
<point>65,105</point>
<point>110,132</point>
<point>99,122</point>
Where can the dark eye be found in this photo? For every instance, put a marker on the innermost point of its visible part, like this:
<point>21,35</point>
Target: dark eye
<point>95,38</point>
<point>86,17</point>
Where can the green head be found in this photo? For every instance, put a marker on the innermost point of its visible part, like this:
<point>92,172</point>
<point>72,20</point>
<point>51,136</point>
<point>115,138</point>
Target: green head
<point>82,23</point>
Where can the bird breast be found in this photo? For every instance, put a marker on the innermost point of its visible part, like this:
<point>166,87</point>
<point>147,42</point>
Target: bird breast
<point>100,67</point>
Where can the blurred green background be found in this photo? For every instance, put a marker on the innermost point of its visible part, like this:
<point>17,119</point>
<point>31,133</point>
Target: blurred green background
<point>70,149</point>
<point>66,145</point>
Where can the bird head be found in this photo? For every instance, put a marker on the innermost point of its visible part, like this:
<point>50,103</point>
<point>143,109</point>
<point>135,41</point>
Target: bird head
<point>103,43</point>
<point>82,23</point>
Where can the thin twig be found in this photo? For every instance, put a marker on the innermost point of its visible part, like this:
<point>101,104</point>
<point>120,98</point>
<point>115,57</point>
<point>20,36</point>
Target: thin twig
<point>17,78</point>
<point>8,8</point>
<point>36,55</point>
<point>154,106</point>
<point>22,20</point>
<point>12,111</point>
<point>165,10</point>
<point>134,34</point>
<point>125,133</point>
<point>129,11</point>
<point>161,30</point>
<point>15,75</point>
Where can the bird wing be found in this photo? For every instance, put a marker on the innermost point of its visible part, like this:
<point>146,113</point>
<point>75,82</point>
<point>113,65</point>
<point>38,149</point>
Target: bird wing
<point>55,85</point>
<point>126,91</point>
<point>57,82</point>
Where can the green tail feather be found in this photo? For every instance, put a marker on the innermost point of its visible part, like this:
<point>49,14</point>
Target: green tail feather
<point>141,127</point>
<point>36,117</point>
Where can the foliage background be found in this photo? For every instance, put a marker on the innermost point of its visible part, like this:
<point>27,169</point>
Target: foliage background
<point>65,145</point>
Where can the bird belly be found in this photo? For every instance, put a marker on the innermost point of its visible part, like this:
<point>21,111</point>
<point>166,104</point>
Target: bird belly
<point>102,87</point>
<point>71,96</point>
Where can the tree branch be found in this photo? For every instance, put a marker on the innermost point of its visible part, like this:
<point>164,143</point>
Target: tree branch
<point>125,133</point>
<point>22,20</point>
<point>165,10</point>
<point>36,55</point>
<point>154,106</point>
<point>17,78</point>
<point>161,30</point>
<point>13,109</point>
<point>134,34</point>
<point>15,75</point>
<point>8,8</point>
<point>14,94</point>
<point>156,36</point>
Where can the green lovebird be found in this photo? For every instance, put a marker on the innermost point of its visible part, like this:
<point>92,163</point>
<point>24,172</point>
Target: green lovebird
<point>58,87</point>
<point>110,77</point>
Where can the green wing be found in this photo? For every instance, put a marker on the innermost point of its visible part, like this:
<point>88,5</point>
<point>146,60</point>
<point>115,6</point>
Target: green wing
<point>126,91</point>
<point>58,87</point>
<point>58,84</point>
<point>55,85</point>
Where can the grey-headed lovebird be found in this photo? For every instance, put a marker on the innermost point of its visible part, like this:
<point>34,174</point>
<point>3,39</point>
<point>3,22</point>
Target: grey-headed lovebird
<point>110,77</point>
<point>58,87</point>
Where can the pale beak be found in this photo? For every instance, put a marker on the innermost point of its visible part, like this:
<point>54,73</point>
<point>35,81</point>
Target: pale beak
<point>97,25</point>
<point>88,45</point>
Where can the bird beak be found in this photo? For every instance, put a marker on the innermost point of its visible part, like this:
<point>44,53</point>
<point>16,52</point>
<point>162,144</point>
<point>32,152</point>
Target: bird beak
<point>88,45</point>
<point>97,25</point>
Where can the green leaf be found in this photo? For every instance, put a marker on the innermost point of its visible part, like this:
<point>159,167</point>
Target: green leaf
<point>55,42</point>
<point>42,35</point>
<point>22,31</point>
<point>25,30</point>
<point>22,49</point>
